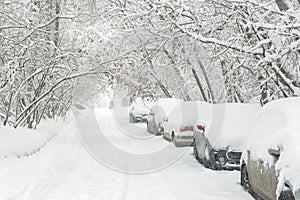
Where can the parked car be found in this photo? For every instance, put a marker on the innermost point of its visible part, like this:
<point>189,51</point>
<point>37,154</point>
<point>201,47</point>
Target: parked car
<point>139,110</point>
<point>160,109</point>
<point>179,124</point>
<point>271,162</point>
<point>220,134</point>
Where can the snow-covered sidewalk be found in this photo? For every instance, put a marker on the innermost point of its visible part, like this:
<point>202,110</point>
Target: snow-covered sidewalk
<point>63,169</point>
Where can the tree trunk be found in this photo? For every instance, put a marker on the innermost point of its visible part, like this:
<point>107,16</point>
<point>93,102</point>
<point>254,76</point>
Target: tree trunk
<point>199,85</point>
<point>164,89</point>
<point>282,5</point>
<point>206,80</point>
<point>8,109</point>
<point>56,29</point>
<point>178,73</point>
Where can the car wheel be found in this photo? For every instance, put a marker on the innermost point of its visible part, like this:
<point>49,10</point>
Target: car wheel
<point>286,195</point>
<point>165,137</point>
<point>172,136</point>
<point>176,143</point>
<point>196,152</point>
<point>152,128</point>
<point>156,132</point>
<point>153,131</point>
<point>206,159</point>
<point>245,178</point>
<point>209,161</point>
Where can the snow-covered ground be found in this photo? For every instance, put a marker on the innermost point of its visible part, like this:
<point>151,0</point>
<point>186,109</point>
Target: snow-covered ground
<point>64,169</point>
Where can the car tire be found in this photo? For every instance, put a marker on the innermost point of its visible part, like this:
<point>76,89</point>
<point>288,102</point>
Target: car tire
<point>209,161</point>
<point>245,182</point>
<point>148,127</point>
<point>153,127</point>
<point>286,195</point>
<point>172,136</point>
<point>206,159</point>
<point>176,143</point>
<point>196,154</point>
<point>159,131</point>
<point>132,119</point>
<point>155,130</point>
<point>165,137</point>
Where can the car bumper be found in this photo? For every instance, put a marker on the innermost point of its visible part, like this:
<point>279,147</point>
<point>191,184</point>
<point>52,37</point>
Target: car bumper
<point>184,141</point>
<point>229,166</point>
<point>167,137</point>
<point>140,118</point>
<point>227,160</point>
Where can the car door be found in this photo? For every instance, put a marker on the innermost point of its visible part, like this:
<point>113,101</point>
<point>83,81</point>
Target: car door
<point>265,181</point>
<point>261,165</point>
<point>275,154</point>
<point>258,176</point>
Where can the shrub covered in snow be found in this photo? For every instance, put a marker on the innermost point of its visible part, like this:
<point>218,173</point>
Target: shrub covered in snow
<point>23,141</point>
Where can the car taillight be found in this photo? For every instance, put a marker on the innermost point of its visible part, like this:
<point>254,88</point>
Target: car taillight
<point>200,127</point>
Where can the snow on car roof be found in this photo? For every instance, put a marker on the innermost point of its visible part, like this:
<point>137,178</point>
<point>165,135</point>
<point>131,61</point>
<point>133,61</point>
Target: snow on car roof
<point>163,107</point>
<point>165,104</point>
<point>141,105</point>
<point>185,113</point>
<point>277,126</point>
<point>229,124</point>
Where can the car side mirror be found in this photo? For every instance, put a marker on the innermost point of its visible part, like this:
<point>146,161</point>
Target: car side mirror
<point>274,152</point>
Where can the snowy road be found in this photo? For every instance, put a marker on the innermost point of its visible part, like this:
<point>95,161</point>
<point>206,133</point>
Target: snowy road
<point>64,169</point>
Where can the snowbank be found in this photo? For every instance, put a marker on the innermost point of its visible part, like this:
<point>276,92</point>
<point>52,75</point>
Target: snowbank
<point>277,127</point>
<point>23,141</point>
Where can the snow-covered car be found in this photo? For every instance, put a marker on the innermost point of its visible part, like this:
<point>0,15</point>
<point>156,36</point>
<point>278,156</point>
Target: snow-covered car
<point>179,124</point>
<point>219,136</point>
<point>158,113</point>
<point>139,110</point>
<point>270,162</point>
